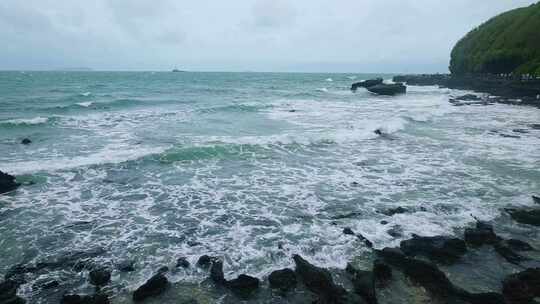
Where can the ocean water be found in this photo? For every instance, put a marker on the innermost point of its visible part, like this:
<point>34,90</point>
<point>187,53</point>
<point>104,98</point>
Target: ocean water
<point>253,167</point>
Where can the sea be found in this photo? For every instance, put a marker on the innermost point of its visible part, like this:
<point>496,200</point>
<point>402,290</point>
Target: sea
<point>251,167</point>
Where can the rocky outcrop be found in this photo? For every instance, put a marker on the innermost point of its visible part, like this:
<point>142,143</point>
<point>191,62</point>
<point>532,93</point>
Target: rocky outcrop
<point>243,286</point>
<point>7,183</point>
<point>8,293</point>
<point>366,84</point>
<point>100,277</point>
<point>388,89</point>
<point>84,299</point>
<point>522,287</point>
<point>153,287</point>
<point>482,234</point>
<point>284,279</point>
<point>525,216</point>
<point>438,248</point>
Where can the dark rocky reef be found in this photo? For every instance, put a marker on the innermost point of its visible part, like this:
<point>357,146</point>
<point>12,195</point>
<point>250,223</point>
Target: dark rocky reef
<point>366,84</point>
<point>153,287</point>
<point>388,89</point>
<point>7,183</point>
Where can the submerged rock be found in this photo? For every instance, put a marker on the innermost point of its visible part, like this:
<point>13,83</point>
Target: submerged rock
<point>530,217</point>
<point>522,287</point>
<point>284,279</point>
<point>7,183</point>
<point>348,231</point>
<point>388,89</point>
<point>216,273</point>
<point>382,273</point>
<point>441,249</point>
<point>364,285</point>
<point>468,97</point>
<point>508,254</point>
<point>536,199</point>
<point>518,245</point>
<point>153,287</point>
<point>319,281</point>
<point>85,299</point>
<point>182,262</point>
<point>393,211</point>
<point>366,83</point>
<point>205,261</point>
<point>8,293</point>
<point>126,266</point>
<point>100,277</point>
<point>26,141</point>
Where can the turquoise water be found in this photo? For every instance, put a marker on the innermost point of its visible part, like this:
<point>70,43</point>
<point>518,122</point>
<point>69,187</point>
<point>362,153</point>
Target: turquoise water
<point>249,166</point>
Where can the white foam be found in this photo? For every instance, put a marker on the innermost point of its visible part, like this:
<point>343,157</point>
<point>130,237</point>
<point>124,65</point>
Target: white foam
<point>322,90</point>
<point>85,104</point>
<point>86,94</point>
<point>26,121</point>
<point>329,79</point>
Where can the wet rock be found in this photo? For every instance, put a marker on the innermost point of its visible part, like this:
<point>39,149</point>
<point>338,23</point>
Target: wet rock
<point>366,84</point>
<point>482,234</point>
<point>395,232</point>
<point>388,89</point>
<point>364,285</point>
<point>468,97</point>
<point>393,211</point>
<point>182,262</point>
<point>525,216</point>
<point>85,299</point>
<point>163,270</point>
<point>508,254</point>
<point>319,281</point>
<point>535,126</point>
<point>367,242</point>
<point>50,284</point>
<point>126,266</point>
<point>8,293</point>
<point>216,273</point>
<point>509,135</point>
<point>7,183</point>
<point>522,131</point>
<point>243,286</point>
<point>536,199</point>
<point>348,231</point>
<point>205,261</point>
<point>440,249</point>
<point>383,222</point>
<point>382,273</point>
<point>26,141</point>
<point>518,245</point>
<point>284,279</point>
<point>153,287</point>
<point>522,287</point>
<point>100,277</point>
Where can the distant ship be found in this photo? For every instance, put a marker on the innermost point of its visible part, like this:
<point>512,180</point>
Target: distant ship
<point>177,71</point>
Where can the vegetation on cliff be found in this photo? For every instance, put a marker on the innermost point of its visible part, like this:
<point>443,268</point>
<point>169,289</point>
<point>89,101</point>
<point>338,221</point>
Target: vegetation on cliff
<point>508,43</point>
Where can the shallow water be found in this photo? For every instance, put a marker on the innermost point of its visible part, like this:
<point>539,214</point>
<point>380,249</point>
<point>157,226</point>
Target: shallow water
<point>154,166</point>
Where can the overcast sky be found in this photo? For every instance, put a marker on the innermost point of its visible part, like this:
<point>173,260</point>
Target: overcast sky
<point>239,35</point>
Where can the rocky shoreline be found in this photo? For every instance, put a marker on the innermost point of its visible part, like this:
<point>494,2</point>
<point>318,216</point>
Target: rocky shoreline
<point>503,89</point>
<point>421,268</point>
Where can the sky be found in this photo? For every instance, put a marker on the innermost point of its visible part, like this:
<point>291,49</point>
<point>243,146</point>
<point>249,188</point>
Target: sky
<point>385,36</point>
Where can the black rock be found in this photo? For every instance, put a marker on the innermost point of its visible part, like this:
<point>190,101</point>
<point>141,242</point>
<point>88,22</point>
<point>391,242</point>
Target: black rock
<point>8,293</point>
<point>518,245</point>
<point>535,126</point>
<point>392,211</point>
<point>85,299</point>
<point>243,286</point>
<point>382,273</point>
<point>348,231</point>
<point>100,277</point>
<point>216,273</point>
<point>388,89</point>
<point>7,183</point>
<point>536,199</point>
<point>482,234</point>
<point>367,242</point>
<point>364,285</point>
<point>182,262</point>
<point>508,254</point>
<point>284,279</point>
<point>26,141</point>
<point>395,232</point>
<point>163,269</point>
<point>205,261</point>
<point>50,284</point>
<point>440,249</point>
<point>468,97</point>
<point>526,216</point>
<point>319,281</point>
<point>126,266</point>
<point>522,131</point>
<point>154,286</point>
<point>366,84</point>
<point>522,287</point>
<point>383,222</point>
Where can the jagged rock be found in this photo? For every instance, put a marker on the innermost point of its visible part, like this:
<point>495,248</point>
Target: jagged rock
<point>154,286</point>
<point>522,287</point>
<point>7,183</point>
<point>527,216</point>
<point>8,293</point>
<point>163,269</point>
<point>182,262</point>
<point>481,235</point>
<point>85,299</point>
<point>382,273</point>
<point>348,231</point>
<point>100,277</point>
<point>205,261</point>
<point>508,254</point>
<point>126,266</point>
<point>366,84</point>
<point>388,89</point>
<point>319,281</point>
<point>26,141</point>
<point>441,249</point>
<point>536,199</point>
<point>243,286</point>
<point>284,279</point>
<point>364,285</point>
<point>216,273</point>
